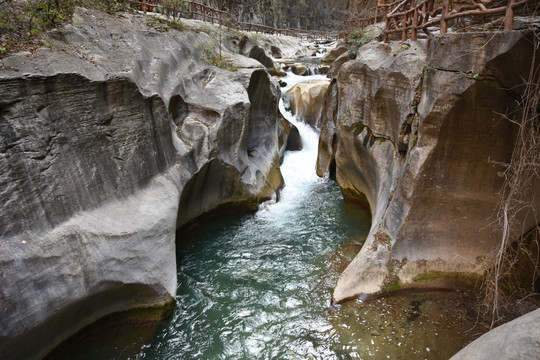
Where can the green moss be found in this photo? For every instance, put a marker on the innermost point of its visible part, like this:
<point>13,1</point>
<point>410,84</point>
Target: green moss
<point>393,286</point>
<point>205,29</point>
<point>164,25</point>
<point>211,56</point>
<point>438,275</point>
<point>358,128</point>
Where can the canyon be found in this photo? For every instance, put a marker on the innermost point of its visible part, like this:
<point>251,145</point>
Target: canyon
<point>117,133</point>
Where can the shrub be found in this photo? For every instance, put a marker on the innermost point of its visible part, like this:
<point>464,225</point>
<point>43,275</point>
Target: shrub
<point>210,55</point>
<point>22,22</point>
<point>356,39</point>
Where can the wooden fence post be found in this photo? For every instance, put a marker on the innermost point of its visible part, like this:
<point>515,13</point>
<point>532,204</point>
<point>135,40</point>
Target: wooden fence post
<point>509,16</point>
<point>445,8</point>
<point>386,29</point>
<point>414,24</point>
<point>404,27</point>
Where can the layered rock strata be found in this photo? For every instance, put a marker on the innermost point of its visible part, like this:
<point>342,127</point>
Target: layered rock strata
<point>415,131</point>
<point>111,137</point>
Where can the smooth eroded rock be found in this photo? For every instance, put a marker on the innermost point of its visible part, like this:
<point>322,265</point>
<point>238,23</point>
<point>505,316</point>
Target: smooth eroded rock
<point>306,100</point>
<point>517,340</point>
<point>417,136</point>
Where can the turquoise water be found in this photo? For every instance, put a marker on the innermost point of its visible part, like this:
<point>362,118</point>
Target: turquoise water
<point>254,288</point>
<point>259,286</point>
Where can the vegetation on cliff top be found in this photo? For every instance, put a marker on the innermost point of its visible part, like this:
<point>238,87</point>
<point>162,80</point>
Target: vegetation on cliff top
<point>22,22</point>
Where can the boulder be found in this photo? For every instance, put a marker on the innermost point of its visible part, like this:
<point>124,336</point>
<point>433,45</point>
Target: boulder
<point>417,139</point>
<point>294,140</point>
<point>289,137</point>
<point>299,69</point>
<point>333,54</point>
<point>306,100</point>
<point>276,52</point>
<point>323,69</point>
<point>336,65</point>
<point>247,48</point>
<point>112,138</point>
<point>518,339</point>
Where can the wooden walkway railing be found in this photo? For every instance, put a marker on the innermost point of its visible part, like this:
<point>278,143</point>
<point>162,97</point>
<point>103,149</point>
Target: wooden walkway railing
<point>414,15</point>
<point>195,10</point>
<point>410,16</point>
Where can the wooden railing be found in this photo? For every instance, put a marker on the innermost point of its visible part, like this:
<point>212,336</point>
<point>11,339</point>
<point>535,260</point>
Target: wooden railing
<point>414,15</point>
<point>409,16</point>
<point>195,10</point>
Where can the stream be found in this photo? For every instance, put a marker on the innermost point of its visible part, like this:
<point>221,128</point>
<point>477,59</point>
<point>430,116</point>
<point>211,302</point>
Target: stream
<point>259,286</point>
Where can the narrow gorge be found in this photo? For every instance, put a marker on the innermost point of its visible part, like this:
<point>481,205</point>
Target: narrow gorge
<point>294,199</point>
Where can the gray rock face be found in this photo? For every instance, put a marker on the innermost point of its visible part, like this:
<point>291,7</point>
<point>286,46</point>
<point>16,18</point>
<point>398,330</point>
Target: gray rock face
<point>248,48</point>
<point>111,138</point>
<point>327,139</point>
<point>517,340</point>
<point>64,133</point>
<point>417,137</point>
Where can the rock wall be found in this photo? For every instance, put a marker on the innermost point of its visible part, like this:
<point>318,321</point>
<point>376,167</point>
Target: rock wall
<point>301,14</point>
<point>418,135</point>
<point>112,136</point>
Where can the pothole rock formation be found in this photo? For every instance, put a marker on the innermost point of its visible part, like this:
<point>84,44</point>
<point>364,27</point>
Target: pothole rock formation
<point>417,136</point>
<point>111,137</point>
<point>306,100</point>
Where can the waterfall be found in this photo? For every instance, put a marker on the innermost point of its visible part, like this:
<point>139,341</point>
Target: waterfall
<point>298,167</point>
